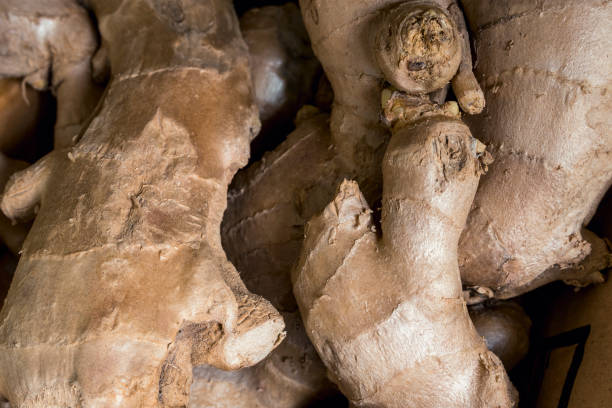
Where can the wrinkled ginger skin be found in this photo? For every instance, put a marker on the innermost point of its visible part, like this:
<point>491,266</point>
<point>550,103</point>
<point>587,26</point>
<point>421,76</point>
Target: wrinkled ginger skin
<point>346,37</point>
<point>262,233</point>
<point>283,69</point>
<point>386,314</point>
<point>270,202</point>
<point>50,44</point>
<point>123,284</point>
<point>547,124</point>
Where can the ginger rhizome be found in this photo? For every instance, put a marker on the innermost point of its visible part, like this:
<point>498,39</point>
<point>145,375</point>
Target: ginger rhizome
<point>547,126</point>
<point>270,202</point>
<point>386,313</point>
<point>123,285</point>
<point>505,327</point>
<point>50,44</point>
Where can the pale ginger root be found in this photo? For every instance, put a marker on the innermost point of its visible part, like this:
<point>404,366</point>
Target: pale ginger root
<point>283,67</point>
<point>386,314</point>
<point>270,202</point>
<point>50,44</point>
<point>505,327</point>
<point>547,123</point>
<point>123,285</point>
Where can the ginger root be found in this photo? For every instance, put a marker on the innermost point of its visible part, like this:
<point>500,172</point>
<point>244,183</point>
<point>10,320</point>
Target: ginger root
<point>547,124</point>
<point>270,202</point>
<point>123,285</point>
<point>386,313</point>
<point>505,327</point>
<point>50,44</point>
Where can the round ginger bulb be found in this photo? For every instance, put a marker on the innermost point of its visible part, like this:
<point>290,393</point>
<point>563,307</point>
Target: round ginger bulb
<point>417,47</point>
<point>505,327</point>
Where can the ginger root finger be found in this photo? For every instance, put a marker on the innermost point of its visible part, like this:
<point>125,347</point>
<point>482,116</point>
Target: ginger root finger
<point>386,314</point>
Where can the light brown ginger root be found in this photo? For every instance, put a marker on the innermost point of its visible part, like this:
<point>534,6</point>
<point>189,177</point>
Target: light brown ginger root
<point>123,285</point>
<point>292,375</point>
<point>386,313</point>
<point>505,327</point>
<point>50,44</point>
<point>270,202</point>
<point>417,46</point>
<point>547,123</point>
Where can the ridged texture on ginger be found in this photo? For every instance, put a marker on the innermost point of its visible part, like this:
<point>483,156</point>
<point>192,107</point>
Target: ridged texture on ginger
<point>270,202</point>
<point>546,76</point>
<point>386,313</point>
<point>262,233</point>
<point>123,284</point>
<point>50,44</point>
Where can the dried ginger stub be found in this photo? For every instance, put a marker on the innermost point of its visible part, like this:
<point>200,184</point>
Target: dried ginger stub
<point>123,284</point>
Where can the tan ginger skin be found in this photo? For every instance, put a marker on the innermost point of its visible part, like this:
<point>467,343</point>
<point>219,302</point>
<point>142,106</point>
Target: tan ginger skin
<point>386,313</point>
<point>50,44</point>
<point>123,285</point>
<point>547,123</point>
<point>283,70</point>
<point>270,202</point>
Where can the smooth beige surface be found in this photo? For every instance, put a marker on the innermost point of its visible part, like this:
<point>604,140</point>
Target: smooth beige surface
<point>123,284</point>
<point>545,68</point>
<point>50,44</point>
<point>386,313</point>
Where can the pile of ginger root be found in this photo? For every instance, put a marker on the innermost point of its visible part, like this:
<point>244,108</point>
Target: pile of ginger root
<point>253,204</point>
